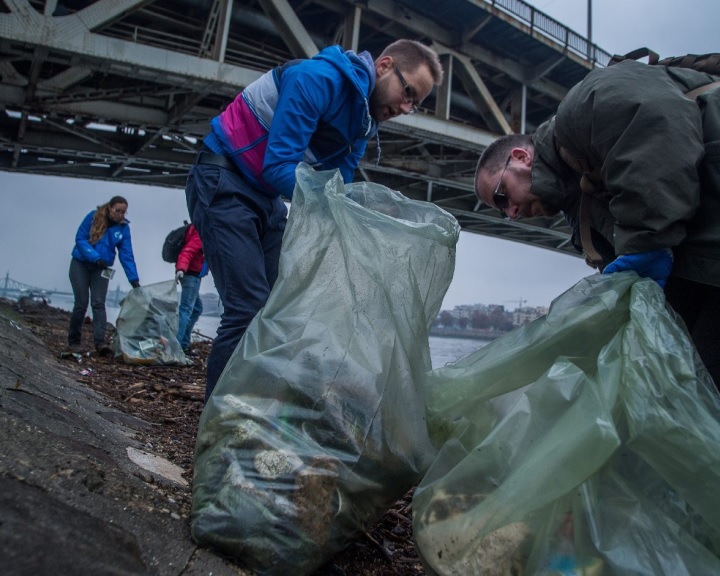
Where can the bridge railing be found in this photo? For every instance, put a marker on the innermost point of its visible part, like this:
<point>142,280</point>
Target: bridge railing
<point>551,28</point>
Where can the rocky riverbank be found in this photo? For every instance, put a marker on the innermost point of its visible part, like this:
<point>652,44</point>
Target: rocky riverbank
<point>96,461</point>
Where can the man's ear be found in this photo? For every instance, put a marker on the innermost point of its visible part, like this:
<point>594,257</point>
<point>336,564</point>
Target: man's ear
<point>384,65</point>
<point>524,155</point>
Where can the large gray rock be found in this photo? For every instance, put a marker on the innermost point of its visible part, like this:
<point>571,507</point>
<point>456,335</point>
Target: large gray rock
<point>78,495</point>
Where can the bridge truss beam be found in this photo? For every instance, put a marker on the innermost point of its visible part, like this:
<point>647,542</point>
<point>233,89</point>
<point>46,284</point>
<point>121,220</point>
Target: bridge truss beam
<point>123,90</point>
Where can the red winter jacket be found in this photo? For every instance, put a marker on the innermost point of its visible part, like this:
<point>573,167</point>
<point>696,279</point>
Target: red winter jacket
<point>191,259</point>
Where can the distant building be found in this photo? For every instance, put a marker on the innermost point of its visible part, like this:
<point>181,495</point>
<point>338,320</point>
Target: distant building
<point>467,310</point>
<point>527,314</point>
<point>479,317</point>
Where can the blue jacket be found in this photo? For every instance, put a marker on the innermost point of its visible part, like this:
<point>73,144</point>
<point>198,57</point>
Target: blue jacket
<point>116,237</point>
<point>315,111</point>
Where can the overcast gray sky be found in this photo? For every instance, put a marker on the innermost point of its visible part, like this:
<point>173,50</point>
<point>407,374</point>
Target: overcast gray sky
<point>39,215</point>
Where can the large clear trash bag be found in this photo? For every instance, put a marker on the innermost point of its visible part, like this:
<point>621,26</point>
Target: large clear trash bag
<point>146,327</point>
<point>586,442</point>
<point>316,426</point>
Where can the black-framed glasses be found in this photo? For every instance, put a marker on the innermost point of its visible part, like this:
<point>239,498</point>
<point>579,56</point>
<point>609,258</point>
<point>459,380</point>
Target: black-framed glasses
<point>500,199</point>
<point>409,95</point>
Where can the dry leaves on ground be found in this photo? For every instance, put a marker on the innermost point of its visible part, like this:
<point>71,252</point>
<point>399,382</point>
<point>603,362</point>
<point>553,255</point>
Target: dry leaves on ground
<point>170,400</point>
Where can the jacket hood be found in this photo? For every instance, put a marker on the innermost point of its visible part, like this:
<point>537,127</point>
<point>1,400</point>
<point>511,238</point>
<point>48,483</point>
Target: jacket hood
<point>358,68</point>
<point>552,179</point>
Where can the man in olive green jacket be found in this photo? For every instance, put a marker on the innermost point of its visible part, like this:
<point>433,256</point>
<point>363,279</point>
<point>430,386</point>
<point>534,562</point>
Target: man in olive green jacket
<point>632,159</point>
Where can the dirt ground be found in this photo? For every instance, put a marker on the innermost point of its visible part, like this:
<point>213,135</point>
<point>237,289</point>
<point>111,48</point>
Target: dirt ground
<point>170,400</point>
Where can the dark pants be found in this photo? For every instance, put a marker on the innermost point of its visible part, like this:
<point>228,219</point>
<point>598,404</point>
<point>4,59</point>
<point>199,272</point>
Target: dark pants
<point>88,286</point>
<point>241,231</point>
<point>699,307</point>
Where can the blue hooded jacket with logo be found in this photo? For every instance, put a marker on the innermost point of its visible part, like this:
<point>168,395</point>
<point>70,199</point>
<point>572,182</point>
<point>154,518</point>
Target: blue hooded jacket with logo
<point>319,112</point>
<point>116,238</point>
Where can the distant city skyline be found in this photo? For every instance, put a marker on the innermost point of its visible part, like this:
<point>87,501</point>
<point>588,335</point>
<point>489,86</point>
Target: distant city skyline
<point>212,297</point>
<point>521,304</point>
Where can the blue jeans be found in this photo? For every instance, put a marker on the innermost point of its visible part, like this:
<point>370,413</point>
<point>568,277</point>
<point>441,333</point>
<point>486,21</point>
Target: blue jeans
<point>241,231</point>
<point>191,307</point>
<point>88,286</point>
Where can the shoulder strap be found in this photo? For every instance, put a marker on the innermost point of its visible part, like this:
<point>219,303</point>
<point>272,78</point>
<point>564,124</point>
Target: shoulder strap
<point>653,57</point>
<point>590,181</point>
<point>693,94</point>
<point>708,63</point>
<point>592,256</point>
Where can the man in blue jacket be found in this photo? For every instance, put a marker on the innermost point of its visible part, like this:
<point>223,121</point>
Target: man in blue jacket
<point>321,111</point>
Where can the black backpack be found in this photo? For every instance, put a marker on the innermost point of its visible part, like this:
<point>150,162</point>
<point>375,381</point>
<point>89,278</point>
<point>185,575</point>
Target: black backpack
<point>708,63</point>
<point>174,242</point>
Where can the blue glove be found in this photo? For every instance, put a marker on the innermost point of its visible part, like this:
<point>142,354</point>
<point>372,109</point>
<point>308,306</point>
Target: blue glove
<point>655,264</point>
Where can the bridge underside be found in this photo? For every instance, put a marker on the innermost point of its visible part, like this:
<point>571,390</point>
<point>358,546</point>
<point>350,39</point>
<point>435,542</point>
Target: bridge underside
<point>123,90</point>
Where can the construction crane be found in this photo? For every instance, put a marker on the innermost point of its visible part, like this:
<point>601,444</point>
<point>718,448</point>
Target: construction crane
<point>520,301</point>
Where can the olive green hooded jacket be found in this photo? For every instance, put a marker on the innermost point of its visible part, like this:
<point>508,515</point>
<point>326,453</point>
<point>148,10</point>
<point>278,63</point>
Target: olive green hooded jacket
<point>658,153</point>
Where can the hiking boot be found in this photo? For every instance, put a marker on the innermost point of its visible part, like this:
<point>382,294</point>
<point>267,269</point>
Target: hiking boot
<point>75,349</point>
<point>104,350</point>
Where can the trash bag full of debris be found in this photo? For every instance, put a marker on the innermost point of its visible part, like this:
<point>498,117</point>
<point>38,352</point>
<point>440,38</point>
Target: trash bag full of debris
<point>585,442</point>
<point>317,424</point>
<point>147,326</point>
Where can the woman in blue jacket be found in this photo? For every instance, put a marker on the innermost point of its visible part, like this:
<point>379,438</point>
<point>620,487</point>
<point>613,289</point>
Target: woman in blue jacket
<point>103,232</point>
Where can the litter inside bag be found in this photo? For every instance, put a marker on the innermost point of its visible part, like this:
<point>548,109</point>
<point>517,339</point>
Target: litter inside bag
<point>316,426</point>
<point>147,326</point>
<point>585,442</point>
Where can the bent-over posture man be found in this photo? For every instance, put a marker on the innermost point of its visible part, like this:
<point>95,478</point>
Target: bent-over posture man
<point>632,159</point>
<point>322,111</point>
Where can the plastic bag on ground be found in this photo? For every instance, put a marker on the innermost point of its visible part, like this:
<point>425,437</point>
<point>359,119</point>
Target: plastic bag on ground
<point>585,443</point>
<point>316,426</point>
<point>147,326</point>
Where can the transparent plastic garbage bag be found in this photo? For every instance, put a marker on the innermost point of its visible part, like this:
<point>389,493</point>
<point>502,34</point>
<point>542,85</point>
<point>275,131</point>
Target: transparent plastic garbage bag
<point>147,326</point>
<point>586,442</point>
<point>316,426</point>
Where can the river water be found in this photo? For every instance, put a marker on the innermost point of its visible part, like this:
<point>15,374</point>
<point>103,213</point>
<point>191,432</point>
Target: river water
<point>442,350</point>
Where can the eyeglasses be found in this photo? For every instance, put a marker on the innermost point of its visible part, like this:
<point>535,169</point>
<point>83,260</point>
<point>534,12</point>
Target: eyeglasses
<point>408,92</point>
<point>500,199</point>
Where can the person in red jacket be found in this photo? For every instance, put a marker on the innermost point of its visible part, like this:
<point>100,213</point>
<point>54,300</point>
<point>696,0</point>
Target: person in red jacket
<point>189,271</point>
